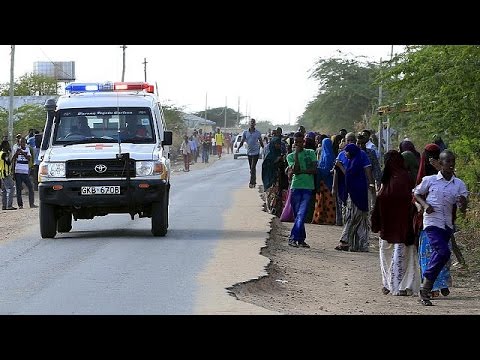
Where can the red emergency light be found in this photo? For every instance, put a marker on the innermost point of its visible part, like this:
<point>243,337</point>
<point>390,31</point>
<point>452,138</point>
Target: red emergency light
<point>131,86</point>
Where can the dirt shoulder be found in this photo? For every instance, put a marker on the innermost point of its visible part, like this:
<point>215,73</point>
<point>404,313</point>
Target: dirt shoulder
<point>321,280</point>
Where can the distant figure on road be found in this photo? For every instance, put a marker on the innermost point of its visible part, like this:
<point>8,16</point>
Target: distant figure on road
<point>186,150</point>
<point>253,137</point>
<point>219,142</point>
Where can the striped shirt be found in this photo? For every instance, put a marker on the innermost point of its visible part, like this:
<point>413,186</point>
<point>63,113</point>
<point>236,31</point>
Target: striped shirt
<point>22,163</point>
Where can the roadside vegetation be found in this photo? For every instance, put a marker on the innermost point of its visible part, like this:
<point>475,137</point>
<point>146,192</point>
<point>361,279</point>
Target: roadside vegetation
<point>430,90</point>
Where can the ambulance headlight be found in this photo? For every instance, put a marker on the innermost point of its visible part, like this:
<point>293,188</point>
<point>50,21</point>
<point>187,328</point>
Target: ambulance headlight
<point>53,169</point>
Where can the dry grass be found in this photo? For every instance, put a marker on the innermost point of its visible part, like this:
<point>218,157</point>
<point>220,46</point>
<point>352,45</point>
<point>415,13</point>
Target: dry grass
<point>468,237</point>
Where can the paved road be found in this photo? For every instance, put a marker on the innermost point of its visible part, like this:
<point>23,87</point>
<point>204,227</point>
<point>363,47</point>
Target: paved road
<point>112,264</point>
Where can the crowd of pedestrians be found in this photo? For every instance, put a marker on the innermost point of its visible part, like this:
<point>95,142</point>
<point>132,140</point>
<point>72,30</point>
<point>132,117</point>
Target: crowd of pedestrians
<point>205,144</point>
<point>411,201</point>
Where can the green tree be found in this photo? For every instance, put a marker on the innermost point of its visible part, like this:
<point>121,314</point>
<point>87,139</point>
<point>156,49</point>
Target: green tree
<point>218,116</point>
<point>175,123</point>
<point>29,117</point>
<point>346,93</point>
<point>26,117</point>
<point>3,121</point>
<point>31,85</point>
<point>444,83</point>
<point>264,126</point>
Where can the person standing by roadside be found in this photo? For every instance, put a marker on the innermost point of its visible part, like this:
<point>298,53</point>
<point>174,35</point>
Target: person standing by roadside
<point>437,194</point>
<point>6,176</point>
<point>228,140</point>
<point>186,150</point>
<point>253,137</point>
<point>196,141</point>
<point>376,169</point>
<point>36,159</point>
<point>338,187</point>
<point>302,166</point>
<point>17,144</point>
<point>206,143</point>
<point>21,160</point>
<point>368,143</point>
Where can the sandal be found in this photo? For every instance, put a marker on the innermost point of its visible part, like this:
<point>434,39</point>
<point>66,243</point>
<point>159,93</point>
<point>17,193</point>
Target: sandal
<point>426,302</point>
<point>445,291</point>
<point>385,291</point>
<point>342,247</point>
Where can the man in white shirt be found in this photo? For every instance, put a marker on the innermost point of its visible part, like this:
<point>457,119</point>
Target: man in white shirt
<point>253,138</point>
<point>369,144</point>
<point>437,194</point>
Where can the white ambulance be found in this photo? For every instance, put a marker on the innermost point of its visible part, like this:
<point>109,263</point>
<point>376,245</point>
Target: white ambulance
<point>105,150</point>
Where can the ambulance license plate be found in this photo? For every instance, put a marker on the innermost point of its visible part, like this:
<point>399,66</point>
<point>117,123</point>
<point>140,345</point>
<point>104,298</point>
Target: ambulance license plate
<point>100,190</point>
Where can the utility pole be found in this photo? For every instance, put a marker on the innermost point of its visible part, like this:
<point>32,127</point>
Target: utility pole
<point>387,140</point>
<point>10,103</point>
<point>238,112</point>
<point>225,125</point>
<point>123,68</point>
<point>206,105</point>
<point>145,68</point>
<point>380,121</point>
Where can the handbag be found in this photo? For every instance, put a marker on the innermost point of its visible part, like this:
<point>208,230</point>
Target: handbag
<point>287,212</point>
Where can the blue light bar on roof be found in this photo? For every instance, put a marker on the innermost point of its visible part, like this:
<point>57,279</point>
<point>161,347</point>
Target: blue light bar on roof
<point>108,86</point>
<point>81,87</point>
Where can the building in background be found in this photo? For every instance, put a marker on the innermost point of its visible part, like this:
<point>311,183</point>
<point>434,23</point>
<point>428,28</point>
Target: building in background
<point>62,71</point>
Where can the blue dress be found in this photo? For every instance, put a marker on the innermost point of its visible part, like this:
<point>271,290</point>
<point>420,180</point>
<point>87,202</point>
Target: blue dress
<point>444,279</point>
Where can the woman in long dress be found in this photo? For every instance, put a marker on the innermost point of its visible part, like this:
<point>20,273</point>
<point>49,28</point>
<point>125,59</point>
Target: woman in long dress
<point>392,218</point>
<point>355,235</point>
<point>325,204</point>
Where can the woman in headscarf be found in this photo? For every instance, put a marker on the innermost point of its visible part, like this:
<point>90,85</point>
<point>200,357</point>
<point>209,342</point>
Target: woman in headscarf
<point>310,144</point>
<point>429,157</point>
<point>325,209</point>
<point>271,176</point>
<point>407,145</point>
<point>336,140</point>
<point>411,157</point>
<point>355,235</point>
<point>392,219</point>
<point>310,141</point>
